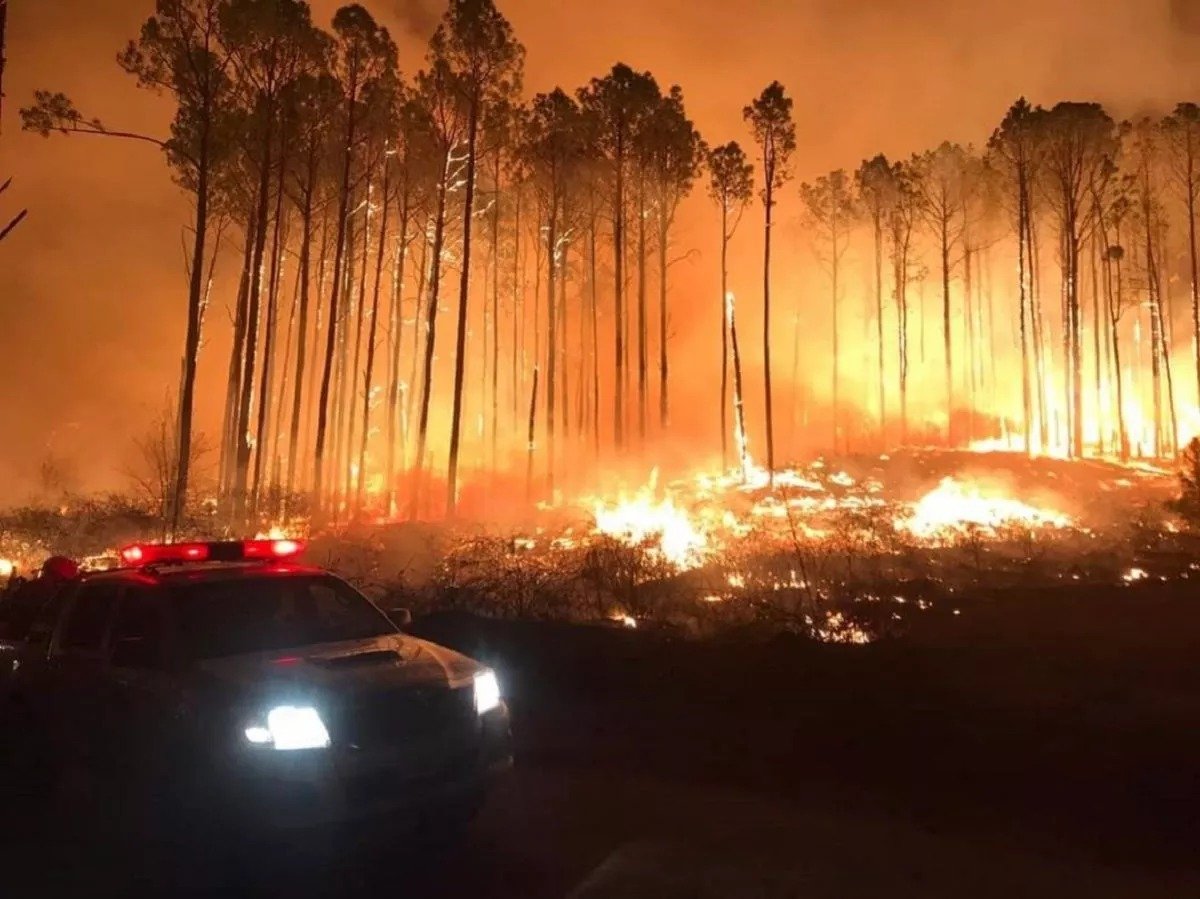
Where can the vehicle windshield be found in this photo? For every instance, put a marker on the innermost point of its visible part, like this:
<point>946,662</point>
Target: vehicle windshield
<point>263,614</point>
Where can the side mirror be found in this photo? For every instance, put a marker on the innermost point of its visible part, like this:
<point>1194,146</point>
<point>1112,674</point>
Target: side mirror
<point>400,617</point>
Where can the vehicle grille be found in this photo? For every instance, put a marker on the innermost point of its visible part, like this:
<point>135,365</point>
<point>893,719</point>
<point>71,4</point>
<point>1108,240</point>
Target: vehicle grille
<point>386,784</point>
<point>405,716</point>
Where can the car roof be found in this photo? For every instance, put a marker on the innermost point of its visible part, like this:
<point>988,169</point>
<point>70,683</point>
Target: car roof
<point>204,572</point>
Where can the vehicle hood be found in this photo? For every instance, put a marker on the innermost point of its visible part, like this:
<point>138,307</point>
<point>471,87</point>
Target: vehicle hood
<point>392,661</point>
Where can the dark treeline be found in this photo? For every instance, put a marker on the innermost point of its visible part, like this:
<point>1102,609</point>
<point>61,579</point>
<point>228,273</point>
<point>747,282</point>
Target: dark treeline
<point>377,223</point>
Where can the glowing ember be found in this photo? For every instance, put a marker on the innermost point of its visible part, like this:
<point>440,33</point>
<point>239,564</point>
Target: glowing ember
<point>954,506</point>
<point>1134,574</point>
<point>838,629</point>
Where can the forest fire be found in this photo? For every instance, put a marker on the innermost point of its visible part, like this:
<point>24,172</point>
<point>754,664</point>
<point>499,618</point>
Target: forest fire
<point>723,429</point>
<point>687,522</point>
<point>635,521</point>
<point>459,312</point>
<point>954,507</point>
<point>355,417</point>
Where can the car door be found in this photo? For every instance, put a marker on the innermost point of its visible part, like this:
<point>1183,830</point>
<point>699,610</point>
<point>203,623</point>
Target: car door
<point>73,685</point>
<point>146,724</point>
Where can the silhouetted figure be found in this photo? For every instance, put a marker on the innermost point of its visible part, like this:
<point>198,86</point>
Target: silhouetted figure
<point>19,606</point>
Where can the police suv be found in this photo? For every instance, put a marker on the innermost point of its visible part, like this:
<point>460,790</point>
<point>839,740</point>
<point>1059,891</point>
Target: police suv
<point>227,676</point>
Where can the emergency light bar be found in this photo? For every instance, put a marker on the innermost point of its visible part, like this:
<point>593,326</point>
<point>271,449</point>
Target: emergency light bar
<point>140,555</point>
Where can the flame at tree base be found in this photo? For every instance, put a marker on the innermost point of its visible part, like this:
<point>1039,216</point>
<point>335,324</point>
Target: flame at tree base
<point>687,522</point>
<point>956,508</point>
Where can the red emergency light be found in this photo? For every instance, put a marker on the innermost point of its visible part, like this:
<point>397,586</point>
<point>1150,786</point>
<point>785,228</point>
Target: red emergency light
<point>271,549</point>
<point>139,555</point>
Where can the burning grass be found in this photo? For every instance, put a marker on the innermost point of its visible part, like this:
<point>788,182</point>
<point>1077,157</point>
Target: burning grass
<point>848,550</point>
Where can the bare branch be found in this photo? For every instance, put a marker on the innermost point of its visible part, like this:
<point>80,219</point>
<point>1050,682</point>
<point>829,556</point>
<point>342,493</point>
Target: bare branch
<point>13,224</point>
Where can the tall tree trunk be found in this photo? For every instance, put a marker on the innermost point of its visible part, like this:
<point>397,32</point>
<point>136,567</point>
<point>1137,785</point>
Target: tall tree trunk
<point>739,406</point>
<point>1155,321</point>
<point>339,257</point>
<point>347,326</point>
<point>564,330</point>
<point>1115,315</point>
<point>1192,259</point>
<point>369,374</point>
<point>1076,343</point>
<point>986,290</point>
<point>496,316</point>
<point>902,327</point>
<point>518,317</point>
<point>878,224</point>
<point>724,334</point>
<point>439,237</point>
<point>643,359</point>
<point>464,289</point>
<point>281,407</point>
<point>278,239</point>
<point>629,251</point>
<point>551,331</point>
<point>582,396</point>
<point>191,345</point>
<point>947,338</point>
<point>395,338</point>
<point>1098,367</point>
<point>833,312</point>
<point>768,203</point>
<point>242,469</point>
<point>1037,320</point>
<point>664,407</point>
<point>233,390</point>
<point>1022,264</point>
<point>971,335</point>
<point>302,325</point>
<point>318,330</point>
<point>899,286</point>
<point>619,296</point>
<point>353,472</point>
<point>1163,304</point>
<point>529,443</point>
<point>595,360</point>
<point>423,264</point>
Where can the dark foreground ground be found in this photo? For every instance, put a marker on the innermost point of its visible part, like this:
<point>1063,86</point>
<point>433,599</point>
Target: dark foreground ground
<point>1035,745</point>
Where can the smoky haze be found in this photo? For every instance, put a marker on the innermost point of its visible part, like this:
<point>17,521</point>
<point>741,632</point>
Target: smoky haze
<point>92,292</point>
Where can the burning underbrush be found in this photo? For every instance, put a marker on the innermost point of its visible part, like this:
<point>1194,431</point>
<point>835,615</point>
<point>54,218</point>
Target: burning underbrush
<point>846,551</point>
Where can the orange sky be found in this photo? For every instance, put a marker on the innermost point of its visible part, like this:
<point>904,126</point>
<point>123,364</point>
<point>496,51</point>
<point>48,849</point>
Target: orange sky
<point>91,287</point>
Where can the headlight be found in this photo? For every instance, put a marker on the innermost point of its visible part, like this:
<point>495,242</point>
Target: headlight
<point>290,727</point>
<point>487,691</point>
